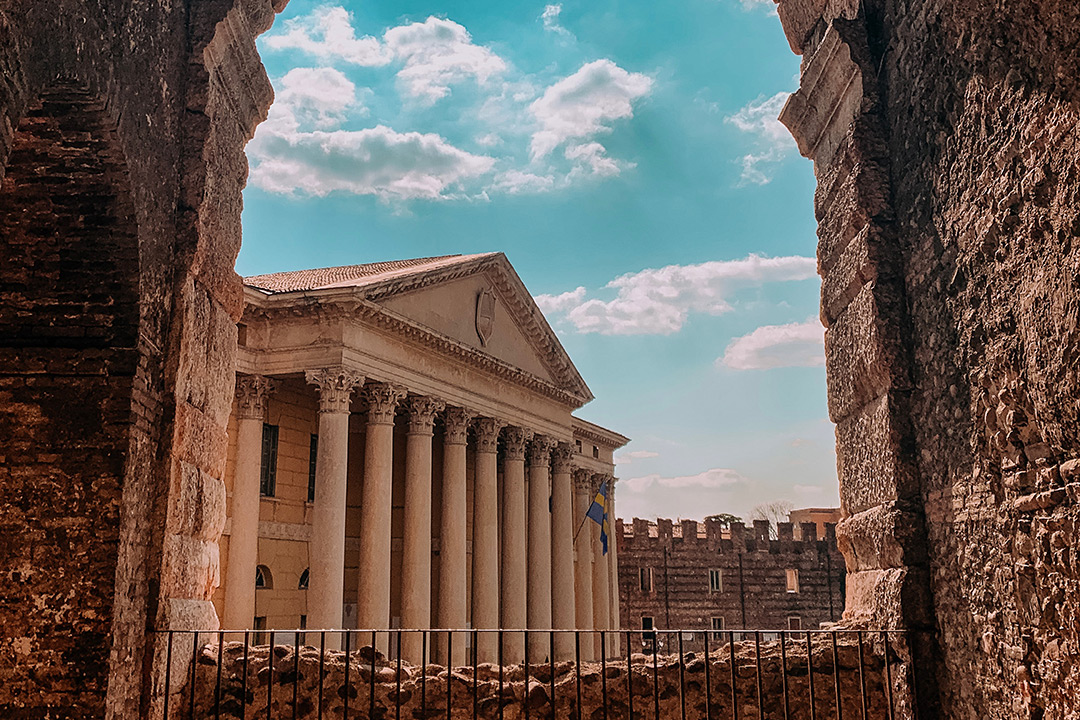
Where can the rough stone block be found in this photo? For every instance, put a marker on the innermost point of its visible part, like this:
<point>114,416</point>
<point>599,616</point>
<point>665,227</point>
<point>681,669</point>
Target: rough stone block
<point>896,598</point>
<point>198,504</point>
<point>873,455</point>
<point>883,537</point>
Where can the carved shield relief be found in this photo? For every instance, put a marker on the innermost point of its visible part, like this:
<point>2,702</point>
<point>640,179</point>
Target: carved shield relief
<point>485,315</point>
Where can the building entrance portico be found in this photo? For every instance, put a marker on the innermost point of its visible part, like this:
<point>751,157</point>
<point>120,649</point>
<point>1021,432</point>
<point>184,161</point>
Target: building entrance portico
<point>403,439</point>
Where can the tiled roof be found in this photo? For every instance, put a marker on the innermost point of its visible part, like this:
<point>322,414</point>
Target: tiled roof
<point>348,275</point>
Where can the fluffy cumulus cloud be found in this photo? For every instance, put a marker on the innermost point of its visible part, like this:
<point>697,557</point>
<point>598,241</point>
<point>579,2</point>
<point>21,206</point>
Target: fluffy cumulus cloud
<point>433,54</point>
<point>517,182</point>
<point>710,479</point>
<point>772,141</point>
<point>773,346</point>
<point>659,301</point>
<point>585,104</point>
<point>320,97</point>
<point>550,18</point>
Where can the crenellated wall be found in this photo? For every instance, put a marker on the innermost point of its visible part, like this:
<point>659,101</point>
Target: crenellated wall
<point>946,144</point>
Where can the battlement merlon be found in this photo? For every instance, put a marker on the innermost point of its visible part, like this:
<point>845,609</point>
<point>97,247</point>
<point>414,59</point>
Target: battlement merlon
<point>735,537</point>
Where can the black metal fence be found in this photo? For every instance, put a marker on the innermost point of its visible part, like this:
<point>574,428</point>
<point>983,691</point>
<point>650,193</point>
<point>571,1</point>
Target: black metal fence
<point>636,675</point>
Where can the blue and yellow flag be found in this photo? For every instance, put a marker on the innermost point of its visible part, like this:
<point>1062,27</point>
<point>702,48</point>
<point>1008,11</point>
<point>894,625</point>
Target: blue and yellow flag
<point>598,513</point>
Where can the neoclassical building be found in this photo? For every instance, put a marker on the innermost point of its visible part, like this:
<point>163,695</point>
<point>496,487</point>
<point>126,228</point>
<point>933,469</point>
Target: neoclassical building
<point>403,454</point>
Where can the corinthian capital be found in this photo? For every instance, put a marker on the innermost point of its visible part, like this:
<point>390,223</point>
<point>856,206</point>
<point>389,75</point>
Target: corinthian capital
<point>514,441</point>
<point>251,394</point>
<point>562,459</point>
<point>383,399</point>
<point>422,411</point>
<point>456,420</point>
<point>540,450</point>
<point>487,434</point>
<point>335,385</point>
<point>583,481</point>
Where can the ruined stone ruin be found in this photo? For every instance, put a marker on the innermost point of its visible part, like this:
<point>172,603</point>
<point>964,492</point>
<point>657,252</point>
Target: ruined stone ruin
<point>945,139</point>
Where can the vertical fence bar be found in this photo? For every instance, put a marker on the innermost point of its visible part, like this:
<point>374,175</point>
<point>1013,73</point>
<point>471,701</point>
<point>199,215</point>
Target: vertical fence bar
<point>577,671</point>
<point>397,682</point>
<point>475,678</point>
<point>810,675</point>
<point>910,638</point>
<point>270,679</point>
<point>371,689</point>
<point>168,672</point>
<point>423,674</point>
<point>217,685</point>
<point>708,683</point>
<point>784,676</point>
<point>836,677</point>
<point>296,672</point>
<point>194,662</point>
<point>243,684</point>
<point>500,674</point>
<point>862,674</point>
<point>682,680</point>
<point>656,675</point>
<point>526,666</point>
<point>449,670</point>
<point>629,680</point>
<point>603,672</point>
<point>322,669</point>
<point>888,672</point>
<point>734,694</point>
<point>345,704</point>
<point>551,658</point>
<point>757,665</point>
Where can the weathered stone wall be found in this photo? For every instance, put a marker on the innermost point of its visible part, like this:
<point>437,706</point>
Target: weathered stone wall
<point>946,142</point>
<point>308,685</point>
<point>122,129</point>
<point>753,567</point>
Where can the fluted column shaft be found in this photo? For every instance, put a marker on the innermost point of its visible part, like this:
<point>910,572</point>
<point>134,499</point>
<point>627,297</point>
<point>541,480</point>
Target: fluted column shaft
<point>539,544</point>
<point>563,611</point>
<point>600,582</point>
<point>513,543</point>
<point>326,579</point>
<point>373,587</point>
<point>613,573</point>
<point>485,555</point>
<point>416,542</point>
<point>239,610</point>
<point>452,536</point>
<point>583,598</point>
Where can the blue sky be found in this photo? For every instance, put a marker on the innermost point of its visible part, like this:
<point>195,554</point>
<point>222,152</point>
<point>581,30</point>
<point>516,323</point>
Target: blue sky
<point>625,155</point>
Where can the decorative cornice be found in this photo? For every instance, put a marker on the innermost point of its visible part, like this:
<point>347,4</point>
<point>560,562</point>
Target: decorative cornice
<point>540,450</point>
<point>335,385</point>
<point>562,459</point>
<point>422,411</point>
<point>456,422</point>
<point>251,394</point>
<point>514,440</point>
<point>487,430</point>
<point>383,399</point>
<point>608,437</point>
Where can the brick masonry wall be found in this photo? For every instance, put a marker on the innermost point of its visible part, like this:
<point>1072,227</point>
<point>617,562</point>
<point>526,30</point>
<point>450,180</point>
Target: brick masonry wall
<point>753,569</point>
<point>946,143</point>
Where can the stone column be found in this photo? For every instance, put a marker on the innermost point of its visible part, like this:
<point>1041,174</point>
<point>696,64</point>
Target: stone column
<point>539,544</point>
<point>416,540</point>
<point>485,556</point>
<point>600,583</point>
<point>562,551</point>
<point>326,581</point>
<point>583,586</point>
<point>373,587</point>
<point>239,610</point>
<point>513,543</point>
<point>615,617</point>
<point>452,540</point>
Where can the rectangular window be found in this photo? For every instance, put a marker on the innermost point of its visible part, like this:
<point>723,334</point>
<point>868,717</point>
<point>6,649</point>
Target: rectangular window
<point>595,451</point>
<point>646,580</point>
<point>312,454</point>
<point>577,444</point>
<point>794,623</point>
<point>268,469</point>
<point>792,580</point>
<point>648,638</point>
<point>716,581</point>
<point>717,629</point>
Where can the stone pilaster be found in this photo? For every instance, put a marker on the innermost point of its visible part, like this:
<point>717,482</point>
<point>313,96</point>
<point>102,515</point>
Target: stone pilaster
<point>563,611</point>
<point>252,392</point>
<point>453,551</point>
<point>514,614</point>
<point>326,586</point>
<point>485,576</point>
<point>416,542</point>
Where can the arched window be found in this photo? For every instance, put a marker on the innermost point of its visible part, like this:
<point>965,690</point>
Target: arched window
<point>304,579</point>
<point>263,579</point>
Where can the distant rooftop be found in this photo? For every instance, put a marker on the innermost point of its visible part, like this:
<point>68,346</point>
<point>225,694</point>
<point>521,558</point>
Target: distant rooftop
<point>350,275</point>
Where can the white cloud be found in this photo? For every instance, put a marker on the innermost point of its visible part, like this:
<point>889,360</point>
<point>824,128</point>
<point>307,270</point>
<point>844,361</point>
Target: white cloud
<point>585,104</point>
<point>773,346</point>
<point>772,140</point>
<point>516,182</point>
<point>438,53</point>
<point>550,18</point>
<point>322,97</point>
<point>488,140</point>
<point>550,304</point>
<point>328,34</point>
<point>627,458</point>
<point>659,301</point>
<point>710,479</point>
<point>769,5</point>
<point>376,161</point>
<point>591,159</point>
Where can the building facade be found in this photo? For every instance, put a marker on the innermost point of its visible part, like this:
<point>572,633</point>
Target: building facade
<point>702,577</point>
<point>402,454</point>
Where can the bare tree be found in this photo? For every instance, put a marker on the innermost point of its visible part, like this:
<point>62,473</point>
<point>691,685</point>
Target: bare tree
<point>775,511</point>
